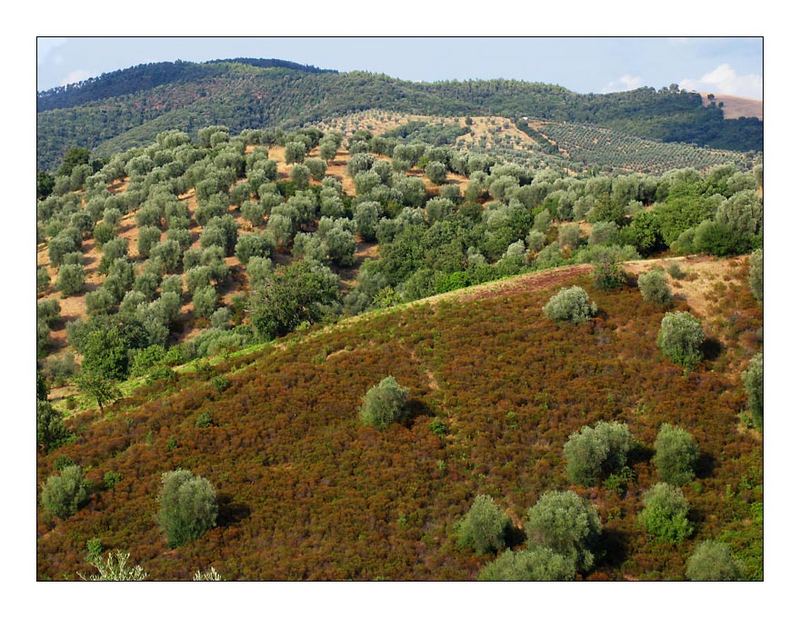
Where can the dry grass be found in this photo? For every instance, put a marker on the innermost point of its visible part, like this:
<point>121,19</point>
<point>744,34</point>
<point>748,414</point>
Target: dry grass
<point>737,107</point>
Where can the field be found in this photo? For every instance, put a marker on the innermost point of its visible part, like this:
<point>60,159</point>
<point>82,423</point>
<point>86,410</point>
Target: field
<point>307,493</point>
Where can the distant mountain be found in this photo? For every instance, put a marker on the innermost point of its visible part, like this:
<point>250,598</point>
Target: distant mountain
<point>126,108</point>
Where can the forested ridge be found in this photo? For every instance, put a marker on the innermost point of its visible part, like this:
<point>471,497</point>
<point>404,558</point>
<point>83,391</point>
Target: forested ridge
<point>128,108</point>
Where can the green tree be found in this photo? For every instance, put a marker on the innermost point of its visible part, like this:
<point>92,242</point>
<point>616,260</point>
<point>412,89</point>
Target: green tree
<point>71,279</point>
<point>536,564</point>
<point>713,561</point>
<point>42,280</point>
<point>62,495</point>
<point>316,168</point>
<point>570,304</point>
<point>753,379</point>
<point>204,300</point>
<point>598,450</point>
<point>44,184</point>
<point>50,429</point>
<point>483,528</point>
<point>384,404</point>
<point>436,172</point>
<point>676,455</point>
<point>680,338</point>
<point>187,506</point>
<point>105,353</point>
<point>295,152</point>
<point>149,236</point>
<point>300,175</point>
<point>608,274</point>
<point>100,388</point>
<point>665,513</point>
<point>567,524</point>
<point>654,287</point>
<point>756,275</point>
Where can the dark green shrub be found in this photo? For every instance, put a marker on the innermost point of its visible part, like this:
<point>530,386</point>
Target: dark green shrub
<point>50,429</point>
<point>608,275</point>
<point>187,506</point>
<point>675,271</point>
<point>204,300</point>
<point>99,302</point>
<point>680,338</point>
<point>483,527</point>
<point>665,513</point>
<point>42,280</point>
<point>537,564</point>
<point>654,287</point>
<point>204,419</point>
<point>103,232</point>
<point>595,451</point>
<point>756,274</point>
<point>713,561</point>
<point>753,379</point>
<point>111,478</point>
<point>64,494</point>
<point>384,404</point>
<point>567,524</point>
<point>71,279</point>
<point>570,304</point>
<point>676,455</point>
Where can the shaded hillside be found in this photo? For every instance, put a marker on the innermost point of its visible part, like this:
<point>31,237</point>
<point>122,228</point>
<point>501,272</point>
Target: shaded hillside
<point>308,493</point>
<point>128,108</point>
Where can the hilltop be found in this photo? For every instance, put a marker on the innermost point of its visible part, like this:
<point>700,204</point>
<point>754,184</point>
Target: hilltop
<point>128,108</point>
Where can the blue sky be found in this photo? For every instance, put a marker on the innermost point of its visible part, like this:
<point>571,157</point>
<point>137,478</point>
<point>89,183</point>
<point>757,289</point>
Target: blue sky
<point>720,65</point>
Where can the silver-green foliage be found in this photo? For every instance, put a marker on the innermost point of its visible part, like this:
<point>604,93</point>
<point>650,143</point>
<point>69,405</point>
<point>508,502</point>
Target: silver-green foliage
<point>483,527</point>
<point>665,513</point>
<point>570,304</point>
<point>115,568</point>
<point>598,450</point>
<point>654,287</point>
<point>680,338</point>
<point>187,506</point>
<point>713,561</point>
<point>384,404</point>
<point>753,379</point>
<point>64,494</point>
<point>676,455</point>
<point>536,564</point>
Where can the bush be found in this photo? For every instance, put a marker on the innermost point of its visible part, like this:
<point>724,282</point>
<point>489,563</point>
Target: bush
<point>204,300</point>
<point>665,513</point>
<point>316,168</point>
<point>100,302</point>
<point>654,287</point>
<point>64,494</point>
<point>569,235</point>
<point>680,338</point>
<point>42,279</point>
<point>300,175</point>
<point>567,524</point>
<point>384,404</point>
<point>187,506</point>
<point>50,429</point>
<point>675,271</point>
<point>436,172</point>
<point>103,232</point>
<point>756,276</point>
<point>483,527</point>
<point>571,304</point>
<point>595,451</point>
<point>608,275</point>
<point>713,561</point>
<point>252,245</point>
<point>71,279</point>
<point>676,455</point>
<point>753,379</point>
<point>537,564</point>
<point>149,236</point>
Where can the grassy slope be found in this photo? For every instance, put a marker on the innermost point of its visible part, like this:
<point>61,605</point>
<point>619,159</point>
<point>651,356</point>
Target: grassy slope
<point>308,493</point>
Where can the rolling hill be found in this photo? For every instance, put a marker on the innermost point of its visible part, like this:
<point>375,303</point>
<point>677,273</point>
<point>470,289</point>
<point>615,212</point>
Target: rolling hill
<point>128,108</point>
<point>307,493</point>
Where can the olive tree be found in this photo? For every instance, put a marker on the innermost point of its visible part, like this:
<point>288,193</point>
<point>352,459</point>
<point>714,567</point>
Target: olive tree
<point>753,379</point>
<point>252,245</point>
<point>366,218</point>
<point>569,235</point>
<point>665,513</point>
<point>300,175</point>
<point>187,506</point>
<point>42,279</point>
<point>63,494</point>
<point>384,404</point>
<point>149,235</point>
<point>567,524</point>
<point>295,152</point>
<point>71,279</point>
<point>713,561</point>
<point>483,528</point>
<point>436,172</point>
<point>204,300</point>
<point>598,450</point>
<point>756,275</point>
<point>570,304</point>
<point>680,338</point>
<point>50,429</point>
<point>100,302</point>
<point>676,455</point>
<point>536,564</point>
<point>327,149</point>
<point>316,168</point>
<point>654,287</point>
<point>103,232</point>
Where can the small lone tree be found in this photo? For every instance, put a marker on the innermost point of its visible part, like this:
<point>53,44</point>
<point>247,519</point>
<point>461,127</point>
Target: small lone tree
<point>567,524</point>
<point>100,388</point>
<point>608,275</point>
<point>64,494</point>
<point>753,379</point>
<point>537,564</point>
<point>676,455</point>
<point>756,276</point>
<point>570,304</point>
<point>713,561</point>
<point>654,287</point>
<point>483,527</point>
<point>597,450</point>
<point>187,506</point>
<point>665,513</point>
<point>680,338</point>
<point>115,568</point>
<point>384,404</point>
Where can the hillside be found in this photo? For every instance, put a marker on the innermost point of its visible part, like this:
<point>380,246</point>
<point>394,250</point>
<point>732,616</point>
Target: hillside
<point>308,493</point>
<point>737,107</point>
<point>128,108</point>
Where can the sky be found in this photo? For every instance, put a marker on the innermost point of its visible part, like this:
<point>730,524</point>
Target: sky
<point>720,65</point>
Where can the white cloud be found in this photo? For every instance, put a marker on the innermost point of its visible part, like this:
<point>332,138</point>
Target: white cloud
<point>76,76</point>
<point>624,82</point>
<point>725,80</point>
